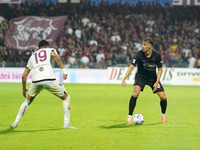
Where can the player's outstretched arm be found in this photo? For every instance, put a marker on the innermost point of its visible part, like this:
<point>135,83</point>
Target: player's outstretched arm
<point>59,62</point>
<point>24,77</point>
<point>128,72</point>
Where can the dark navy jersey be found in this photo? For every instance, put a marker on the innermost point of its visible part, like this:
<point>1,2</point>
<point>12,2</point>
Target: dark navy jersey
<point>147,66</point>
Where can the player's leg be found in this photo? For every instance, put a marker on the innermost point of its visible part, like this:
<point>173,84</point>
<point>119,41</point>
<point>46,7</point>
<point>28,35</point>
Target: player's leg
<point>32,93</point>
<point>133,99</point>
<point>163,102</point>
<point>163,105</point>
<point>22,110</point>
<point>138,86</point>
<point>132,102</point>
<point>59,90</point>
<point>66,111</point>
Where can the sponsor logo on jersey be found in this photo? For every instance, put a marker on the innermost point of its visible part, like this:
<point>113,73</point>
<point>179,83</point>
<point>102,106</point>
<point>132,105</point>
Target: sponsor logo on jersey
<point>41,69</point>
<point>150,67</point>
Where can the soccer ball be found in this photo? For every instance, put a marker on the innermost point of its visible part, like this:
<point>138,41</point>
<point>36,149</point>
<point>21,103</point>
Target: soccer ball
<point>138,119</point>
<point>85,60</point>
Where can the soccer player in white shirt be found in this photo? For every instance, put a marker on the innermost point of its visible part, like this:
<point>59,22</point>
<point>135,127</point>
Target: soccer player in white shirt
<point>43,78</point>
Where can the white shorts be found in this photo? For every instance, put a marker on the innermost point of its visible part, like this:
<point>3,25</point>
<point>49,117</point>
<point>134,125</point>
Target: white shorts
<point>54,87</point>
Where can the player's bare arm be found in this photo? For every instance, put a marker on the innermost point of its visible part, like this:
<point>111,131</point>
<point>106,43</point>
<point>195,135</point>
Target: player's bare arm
<point>128,72</point>
<point>59,62</point>
<point>158,79</point>
<point>57,59</point>
<point>24,77</point>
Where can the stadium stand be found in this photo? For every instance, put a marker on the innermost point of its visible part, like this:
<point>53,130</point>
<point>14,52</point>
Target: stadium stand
<point>112,30</point>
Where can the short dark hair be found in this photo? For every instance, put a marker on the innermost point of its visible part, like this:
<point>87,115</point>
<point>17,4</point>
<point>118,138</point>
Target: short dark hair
<point>149,40</point>
<point>43,43</point>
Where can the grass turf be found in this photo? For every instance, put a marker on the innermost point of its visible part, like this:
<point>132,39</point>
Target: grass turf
<point>99,113</point>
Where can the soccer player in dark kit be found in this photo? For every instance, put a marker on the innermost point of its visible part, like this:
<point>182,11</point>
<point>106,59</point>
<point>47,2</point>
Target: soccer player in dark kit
<point>147,60</point>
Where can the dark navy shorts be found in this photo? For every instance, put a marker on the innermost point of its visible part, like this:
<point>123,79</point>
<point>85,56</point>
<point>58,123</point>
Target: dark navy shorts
<point>140,81</point>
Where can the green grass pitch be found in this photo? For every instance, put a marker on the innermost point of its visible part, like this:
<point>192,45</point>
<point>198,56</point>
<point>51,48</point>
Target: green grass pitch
<point>99,112</point>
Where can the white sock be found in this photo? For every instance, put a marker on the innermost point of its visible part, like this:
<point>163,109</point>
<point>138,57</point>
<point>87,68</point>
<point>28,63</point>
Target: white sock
<point>22,110</point>
<point>66,110</point>
<point>162,114</point>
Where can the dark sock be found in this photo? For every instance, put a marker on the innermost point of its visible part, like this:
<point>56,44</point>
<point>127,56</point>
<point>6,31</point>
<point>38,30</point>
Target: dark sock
<point>163,105</point>
<point>132,104</point>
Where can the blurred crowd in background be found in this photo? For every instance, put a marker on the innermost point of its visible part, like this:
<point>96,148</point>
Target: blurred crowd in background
<point>111,35</point>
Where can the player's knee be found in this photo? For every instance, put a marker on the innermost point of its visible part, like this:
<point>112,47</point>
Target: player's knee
<point>65,96</point>
<point>67,99</point>
<point>163,98</point>
<point>136,91</point>
<point>135,95</point>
